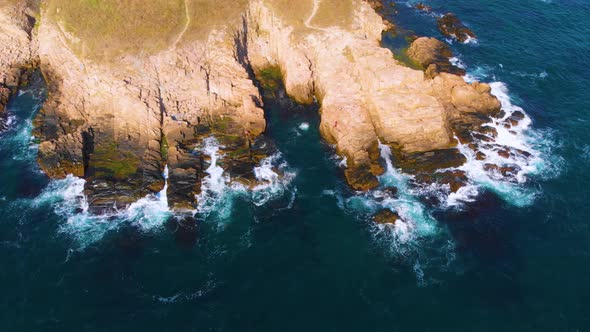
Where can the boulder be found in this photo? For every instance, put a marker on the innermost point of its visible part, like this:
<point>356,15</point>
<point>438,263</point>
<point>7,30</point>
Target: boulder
<point>455,179</point>
<point>433,56</point>
<point>386,217</point>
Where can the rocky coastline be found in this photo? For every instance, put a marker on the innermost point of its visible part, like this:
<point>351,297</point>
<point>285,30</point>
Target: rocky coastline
<point>118,121</point>
<point>18,58</point>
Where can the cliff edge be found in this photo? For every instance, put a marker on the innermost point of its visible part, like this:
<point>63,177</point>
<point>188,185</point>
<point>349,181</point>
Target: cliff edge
<point>134,88</point>
<point>18,52</point>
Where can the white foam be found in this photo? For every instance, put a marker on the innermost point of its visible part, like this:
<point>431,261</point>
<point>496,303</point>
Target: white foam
<point>457,62</point>
<point>542,75</point>
<point>532,162</point>
<point>10,120</point>
<point>415,220</point>
<point>471,40</point>
<point>67,198</point>
<point>343,163</point>
<point>304,126</point>
<point>151,211</point>
<point>271,184</point>
<point>216,192</point>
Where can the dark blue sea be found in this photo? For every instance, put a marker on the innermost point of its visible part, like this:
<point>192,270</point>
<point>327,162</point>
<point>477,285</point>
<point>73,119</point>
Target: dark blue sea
<point>301,253</point>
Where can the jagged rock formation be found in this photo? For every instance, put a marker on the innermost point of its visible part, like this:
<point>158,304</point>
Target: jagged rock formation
<point>116,118</point>
<point>18,51</point>
<point>118,124</point>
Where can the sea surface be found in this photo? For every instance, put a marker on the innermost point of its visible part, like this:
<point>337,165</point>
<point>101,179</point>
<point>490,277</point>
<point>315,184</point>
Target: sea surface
<point>300,254</point>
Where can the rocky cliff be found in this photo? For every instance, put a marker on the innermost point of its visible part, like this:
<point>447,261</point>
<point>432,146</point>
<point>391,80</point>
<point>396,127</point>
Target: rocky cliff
<point>366,96</point>
<point>117,113</point>
<point>18,51</point>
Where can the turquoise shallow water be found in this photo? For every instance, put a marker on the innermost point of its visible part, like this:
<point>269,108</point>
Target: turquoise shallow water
<point>515,259</point>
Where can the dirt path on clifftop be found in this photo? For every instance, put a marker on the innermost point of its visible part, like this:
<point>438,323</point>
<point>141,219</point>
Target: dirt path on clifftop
<point>188,22</point>
<point>314,11</point>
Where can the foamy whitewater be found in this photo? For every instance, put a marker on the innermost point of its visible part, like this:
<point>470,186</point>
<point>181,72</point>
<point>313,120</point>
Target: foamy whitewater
<point>151,212</point>
<point>68,200</point>
<point>531,158</point>
<point>218,192</point>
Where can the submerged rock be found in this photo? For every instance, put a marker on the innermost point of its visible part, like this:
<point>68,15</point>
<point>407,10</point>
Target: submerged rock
<point>422,7</point>
<point>455,179</point>
<point>450,26</point>
<point>506,171</point>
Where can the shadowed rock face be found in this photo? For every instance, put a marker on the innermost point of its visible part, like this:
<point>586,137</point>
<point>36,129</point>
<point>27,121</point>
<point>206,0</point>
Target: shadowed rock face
<point>118,121</point>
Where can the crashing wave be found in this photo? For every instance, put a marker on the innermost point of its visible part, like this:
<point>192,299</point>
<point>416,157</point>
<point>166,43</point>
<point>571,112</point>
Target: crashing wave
<point>415,221</point>
<point>150,213</point>
<point>68,200</point>
<point>532,156</point>
<point>271,184</point>
<point>304,126</point>
<point>218,191</point>
<point>511,176</point>
<point>216,188</point>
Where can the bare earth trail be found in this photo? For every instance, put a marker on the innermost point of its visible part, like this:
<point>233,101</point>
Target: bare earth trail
<point>188,22</point>
<point>314,11</point>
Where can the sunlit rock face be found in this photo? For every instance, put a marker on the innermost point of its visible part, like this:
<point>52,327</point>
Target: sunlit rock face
<point>18,51</point>
<point>140,89</point>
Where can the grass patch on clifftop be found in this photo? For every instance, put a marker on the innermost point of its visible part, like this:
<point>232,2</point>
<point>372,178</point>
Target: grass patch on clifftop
<point>106,28</point>
<point>329,13</point>
<point>103,29</point>
<point>207,15</point>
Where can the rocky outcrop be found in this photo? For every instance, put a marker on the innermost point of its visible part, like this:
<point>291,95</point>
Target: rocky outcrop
<point>18,51</point>
<point>386,217</point>
<point>423,7</point>
<point>366,96</point>
<point>118,122</point>
<point>450,26</point>
<point>433,56</point>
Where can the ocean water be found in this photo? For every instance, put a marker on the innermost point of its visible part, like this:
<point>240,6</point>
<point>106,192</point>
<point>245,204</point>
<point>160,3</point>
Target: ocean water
<point>298,253</point>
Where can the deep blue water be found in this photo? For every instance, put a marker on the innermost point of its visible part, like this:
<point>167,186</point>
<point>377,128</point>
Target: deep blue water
<point>517,259</point>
